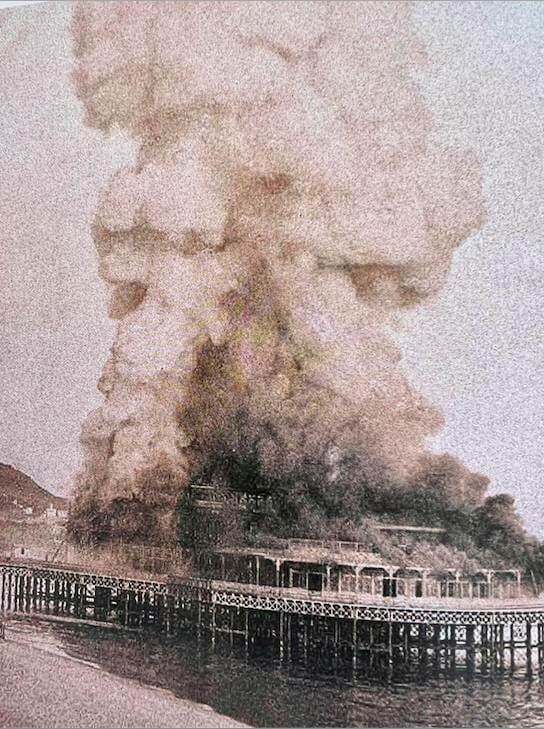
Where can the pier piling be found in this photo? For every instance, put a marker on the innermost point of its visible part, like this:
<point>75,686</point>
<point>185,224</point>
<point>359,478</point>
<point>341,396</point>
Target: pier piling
<point>334,633</point>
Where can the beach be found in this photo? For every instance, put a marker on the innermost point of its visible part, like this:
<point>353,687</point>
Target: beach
<point>41,688</point>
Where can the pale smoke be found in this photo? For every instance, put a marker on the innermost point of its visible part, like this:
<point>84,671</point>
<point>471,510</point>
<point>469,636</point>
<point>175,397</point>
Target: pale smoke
<point>287,201</point>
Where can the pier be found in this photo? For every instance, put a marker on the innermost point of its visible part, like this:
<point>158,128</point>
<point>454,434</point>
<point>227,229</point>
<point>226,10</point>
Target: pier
<point>345,629</point>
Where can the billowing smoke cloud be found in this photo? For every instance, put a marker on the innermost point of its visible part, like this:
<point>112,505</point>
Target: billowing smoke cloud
<point>287,201</point>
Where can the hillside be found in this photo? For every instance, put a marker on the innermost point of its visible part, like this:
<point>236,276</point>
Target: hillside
<point>16,486</point>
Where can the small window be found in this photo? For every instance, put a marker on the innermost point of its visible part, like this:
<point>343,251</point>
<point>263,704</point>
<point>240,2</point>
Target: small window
<point>389,587</point>
<point>315,581</point>
<point>22,550</point>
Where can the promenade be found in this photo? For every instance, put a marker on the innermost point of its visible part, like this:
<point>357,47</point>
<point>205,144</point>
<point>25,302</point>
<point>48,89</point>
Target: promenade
<point>40,689</point>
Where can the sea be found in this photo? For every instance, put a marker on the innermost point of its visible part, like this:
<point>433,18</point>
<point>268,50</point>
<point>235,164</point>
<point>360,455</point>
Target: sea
<point>263,691</point>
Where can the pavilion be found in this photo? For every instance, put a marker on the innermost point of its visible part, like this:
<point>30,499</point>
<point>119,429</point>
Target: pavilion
<point>348,568</point>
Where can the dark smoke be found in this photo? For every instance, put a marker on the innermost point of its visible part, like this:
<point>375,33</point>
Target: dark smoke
<point>287,202</point>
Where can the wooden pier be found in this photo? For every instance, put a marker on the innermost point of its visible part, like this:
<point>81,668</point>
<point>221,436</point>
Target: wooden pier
<point>291,624</point>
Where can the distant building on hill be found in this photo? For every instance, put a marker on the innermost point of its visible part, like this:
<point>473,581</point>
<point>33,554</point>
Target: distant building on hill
<point>20,495</point>
<point>31,518</point>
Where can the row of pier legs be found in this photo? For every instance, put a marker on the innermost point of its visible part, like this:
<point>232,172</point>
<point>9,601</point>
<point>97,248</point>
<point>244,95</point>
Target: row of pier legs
<point>305,638</point>
<point>486,647</point>
<point>290,636</point>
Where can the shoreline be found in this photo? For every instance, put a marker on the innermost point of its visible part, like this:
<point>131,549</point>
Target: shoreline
<point>43,687</point>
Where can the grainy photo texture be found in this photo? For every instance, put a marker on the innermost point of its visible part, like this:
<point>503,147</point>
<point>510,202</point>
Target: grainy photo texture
<point>272,343</point>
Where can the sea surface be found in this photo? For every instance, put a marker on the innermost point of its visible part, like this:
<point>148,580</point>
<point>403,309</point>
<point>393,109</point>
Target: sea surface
<point>261,691</point>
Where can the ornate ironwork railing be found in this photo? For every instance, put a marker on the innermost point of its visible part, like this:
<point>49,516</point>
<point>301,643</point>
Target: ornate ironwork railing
<point>289,600</point>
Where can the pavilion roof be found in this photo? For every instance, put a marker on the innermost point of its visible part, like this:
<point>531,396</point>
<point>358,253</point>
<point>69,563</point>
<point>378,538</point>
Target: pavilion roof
<point>311,555</point>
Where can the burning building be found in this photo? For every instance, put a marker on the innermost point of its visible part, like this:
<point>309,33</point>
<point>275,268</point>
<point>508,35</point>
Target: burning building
<point>286,204</point>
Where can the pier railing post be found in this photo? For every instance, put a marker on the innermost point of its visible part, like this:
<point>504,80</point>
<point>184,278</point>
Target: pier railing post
<point>492,646</point>
<point>529,646</point>
<point>470,653</point>
<point>11,588</point>
<point>280,632</point>
<point>389,638</point>
<point>540,644</point>
<point>354,645</point>
<point>501,646</point>
<point>512,645</point>
<point>246,632</point>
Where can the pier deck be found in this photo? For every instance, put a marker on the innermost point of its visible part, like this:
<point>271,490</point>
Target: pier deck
<point>487,632</point>
<point>290,599</point>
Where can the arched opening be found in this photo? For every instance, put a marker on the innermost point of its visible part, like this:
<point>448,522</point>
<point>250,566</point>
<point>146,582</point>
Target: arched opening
<point>408,582</point>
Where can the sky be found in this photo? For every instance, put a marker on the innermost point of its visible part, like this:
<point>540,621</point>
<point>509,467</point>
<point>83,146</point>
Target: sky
<point>476,352</point>
<point>15,3</point>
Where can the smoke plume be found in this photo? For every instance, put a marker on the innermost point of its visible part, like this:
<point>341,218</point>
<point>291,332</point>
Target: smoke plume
<point>287,201</point>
